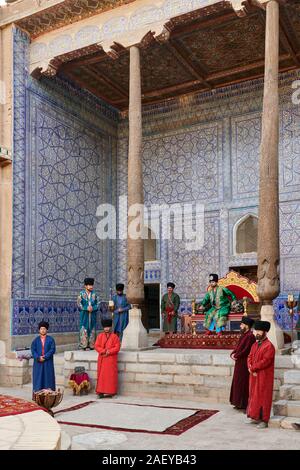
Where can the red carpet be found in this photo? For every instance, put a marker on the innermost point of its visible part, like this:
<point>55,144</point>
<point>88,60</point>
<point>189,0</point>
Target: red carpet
<point>174,430</point>
<point>14,406</point>
<point>228,340</point>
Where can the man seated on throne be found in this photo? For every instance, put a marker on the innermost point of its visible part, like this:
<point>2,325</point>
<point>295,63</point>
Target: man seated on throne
<point>216,299</point>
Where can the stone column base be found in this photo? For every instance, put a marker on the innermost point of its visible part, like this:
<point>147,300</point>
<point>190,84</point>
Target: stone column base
<point>135,335</point>
<point>275,334</point>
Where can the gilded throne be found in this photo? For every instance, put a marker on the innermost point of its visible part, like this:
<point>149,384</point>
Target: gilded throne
<point>245,291</point>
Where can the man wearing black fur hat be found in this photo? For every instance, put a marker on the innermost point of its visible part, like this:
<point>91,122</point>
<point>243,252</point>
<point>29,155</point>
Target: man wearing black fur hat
<point>219,303</point>
<point>169,309</point>
<point>120,320</point>
<point>43,350</point>
<point>239,393</point>
<point>87,302</point>
<point>261,368</point>
<point>107,345</point>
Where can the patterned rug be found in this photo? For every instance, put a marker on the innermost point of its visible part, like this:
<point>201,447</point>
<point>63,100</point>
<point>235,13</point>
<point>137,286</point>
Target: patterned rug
<point>15,406</point>
<point>131,417</point>
<point>200,341</point>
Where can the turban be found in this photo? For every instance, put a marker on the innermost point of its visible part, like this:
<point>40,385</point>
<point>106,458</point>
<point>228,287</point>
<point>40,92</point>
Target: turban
<point>170,284</point>
<point>89,281</point>
<point>213,277</point>
<point>44,323</point>
<point>247,321</point>
<point>120,287</point>
<point>262,325</point>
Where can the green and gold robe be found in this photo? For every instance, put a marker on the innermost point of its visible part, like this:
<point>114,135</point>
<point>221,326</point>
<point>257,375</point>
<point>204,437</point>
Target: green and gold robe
<point>219,304</point>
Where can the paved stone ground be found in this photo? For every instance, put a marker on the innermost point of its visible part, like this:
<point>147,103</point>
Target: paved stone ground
<point>225,430</point>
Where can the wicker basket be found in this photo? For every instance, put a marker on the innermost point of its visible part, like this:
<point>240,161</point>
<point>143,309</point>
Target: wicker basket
<point>48,399</point>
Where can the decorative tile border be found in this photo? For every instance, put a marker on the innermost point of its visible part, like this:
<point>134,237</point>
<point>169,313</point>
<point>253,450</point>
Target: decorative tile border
<point>63,317</point>
<point>35,105</point>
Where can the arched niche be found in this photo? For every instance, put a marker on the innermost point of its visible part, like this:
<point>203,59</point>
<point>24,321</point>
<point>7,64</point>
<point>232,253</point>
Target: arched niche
<point>245,235</point>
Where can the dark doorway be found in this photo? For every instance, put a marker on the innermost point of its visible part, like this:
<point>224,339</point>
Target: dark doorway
<point>152,305</point>
<point>248,271</point>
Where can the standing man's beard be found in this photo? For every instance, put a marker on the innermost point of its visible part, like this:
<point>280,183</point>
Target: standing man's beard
<point>259,337</point>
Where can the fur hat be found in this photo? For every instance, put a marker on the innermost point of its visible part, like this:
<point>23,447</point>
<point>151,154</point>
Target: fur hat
<point>106,322</point>
<point>262,325</point>
<point>171,284</point>
<point>247,321</point>
<point>44,323</point>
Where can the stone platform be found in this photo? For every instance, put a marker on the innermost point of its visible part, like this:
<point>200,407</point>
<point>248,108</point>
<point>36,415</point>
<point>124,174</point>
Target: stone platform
<point>34,430</point>
<point>170,373</point>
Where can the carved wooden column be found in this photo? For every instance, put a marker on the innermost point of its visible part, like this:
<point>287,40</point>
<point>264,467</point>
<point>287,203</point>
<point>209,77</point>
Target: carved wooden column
<point>268,224</point>
<point>135,335</point>
<point>135,290</point>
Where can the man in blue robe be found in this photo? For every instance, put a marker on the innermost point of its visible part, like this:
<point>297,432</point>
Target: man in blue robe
<point>120,318</point>
<point>87,302</point>
<point>43,350</point>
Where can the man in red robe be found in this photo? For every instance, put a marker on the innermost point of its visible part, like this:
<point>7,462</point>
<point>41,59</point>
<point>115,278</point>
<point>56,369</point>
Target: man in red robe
<point>239,393</point>
<point>261,368</point>
<point>107,345</point>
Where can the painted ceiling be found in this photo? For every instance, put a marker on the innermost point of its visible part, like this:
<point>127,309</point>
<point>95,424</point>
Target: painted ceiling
<point>199,51</point>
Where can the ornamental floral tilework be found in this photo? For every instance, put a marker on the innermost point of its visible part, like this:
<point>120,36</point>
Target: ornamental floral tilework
<point>70,154</point>
<point>64,155</point>
<point>208,151</point>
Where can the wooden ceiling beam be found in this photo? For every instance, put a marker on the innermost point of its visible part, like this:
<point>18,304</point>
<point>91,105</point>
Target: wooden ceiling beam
<point>242,68</point>
<point>172,89</point>
<point>287,43</point>
<point>252,77</point>
<point>86,86</point>
<point>82,62</point>
<point>183,30</point>
<point>284,38</point>
<point>98,76</point>
<point>221,85</point>
<point>182,57</point>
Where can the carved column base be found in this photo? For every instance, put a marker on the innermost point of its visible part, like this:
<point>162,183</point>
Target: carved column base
<point>135,335</point>
<point>275,334</point>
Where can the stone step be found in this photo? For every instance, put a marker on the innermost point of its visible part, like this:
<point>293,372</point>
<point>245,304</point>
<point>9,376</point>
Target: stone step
<point>285,391</point>
<point>289,392</point>
<point>290,423</point>
<point>288,408</point>
<point>280,408</point>
<point>283,362</point>
<point>292,377</point>
<point>296,392</point>
<point>293,408</point>
<point>59,359</point>
<point>61,348</point>
<point>284,422</point>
